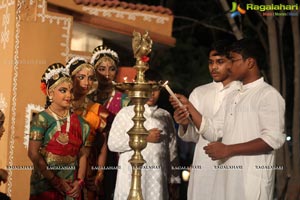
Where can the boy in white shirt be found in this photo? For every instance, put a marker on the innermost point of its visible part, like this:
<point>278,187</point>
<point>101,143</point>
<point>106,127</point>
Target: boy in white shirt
<point>160,154</point>
<point>250,125</point>
<point>207,100</point>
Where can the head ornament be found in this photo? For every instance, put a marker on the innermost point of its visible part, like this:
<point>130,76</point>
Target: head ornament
<point>76,63</point>
<point>53,73</point>
<point>101,51</point>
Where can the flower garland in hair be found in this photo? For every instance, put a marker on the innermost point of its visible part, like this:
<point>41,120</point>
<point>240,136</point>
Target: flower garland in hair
<point>104,51</point>
<point>54,73</point>
<point>72,60</point>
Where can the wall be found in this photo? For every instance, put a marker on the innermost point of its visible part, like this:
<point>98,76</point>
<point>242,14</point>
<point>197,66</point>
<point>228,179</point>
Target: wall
<point>7,86</point>
<point>37,39</point>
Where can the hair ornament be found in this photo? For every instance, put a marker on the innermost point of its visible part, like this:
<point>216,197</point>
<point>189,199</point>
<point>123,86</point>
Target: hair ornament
<point>74,61</point>
<point>54,73</point>
<point>44,87</point>
<point>101,51</point>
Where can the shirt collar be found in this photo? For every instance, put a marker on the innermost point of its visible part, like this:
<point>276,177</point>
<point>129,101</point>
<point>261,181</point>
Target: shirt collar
<point>150,109</point>
<point>218,85</point>
<point>252,84</point>
<point>234,84</point>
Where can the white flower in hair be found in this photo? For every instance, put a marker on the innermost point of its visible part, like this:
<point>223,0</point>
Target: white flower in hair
<point>72,60</point>
<point>103,51</point>
<point>54,72</point>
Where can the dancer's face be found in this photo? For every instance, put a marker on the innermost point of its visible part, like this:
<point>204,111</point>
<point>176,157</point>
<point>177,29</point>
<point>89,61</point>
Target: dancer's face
<point>107,69</point>
<point>84,81</point>
<point>62,95</point>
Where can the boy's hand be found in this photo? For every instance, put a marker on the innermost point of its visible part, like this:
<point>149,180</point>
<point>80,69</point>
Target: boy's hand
<point>217,150</point>
<point>181,115</point>
<point>184,101</point>
<point>154,135</point>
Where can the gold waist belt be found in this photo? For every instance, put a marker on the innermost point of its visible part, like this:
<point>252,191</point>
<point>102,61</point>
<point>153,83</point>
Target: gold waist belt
<point>57,159</point>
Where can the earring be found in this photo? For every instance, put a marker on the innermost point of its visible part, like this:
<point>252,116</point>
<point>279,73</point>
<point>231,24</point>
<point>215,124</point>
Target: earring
<point>50,99</point>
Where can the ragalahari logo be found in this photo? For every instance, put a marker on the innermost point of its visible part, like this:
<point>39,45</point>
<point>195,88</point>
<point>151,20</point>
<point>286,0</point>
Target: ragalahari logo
<point>265,9</point>
<point>236,10</point>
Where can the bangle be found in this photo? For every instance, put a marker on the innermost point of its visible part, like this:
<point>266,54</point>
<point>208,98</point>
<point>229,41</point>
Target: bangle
<point>99,173</point>
<point>80,181</point>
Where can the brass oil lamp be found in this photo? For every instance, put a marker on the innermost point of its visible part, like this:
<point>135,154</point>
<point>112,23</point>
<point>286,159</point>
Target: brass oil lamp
<point>139,92</point>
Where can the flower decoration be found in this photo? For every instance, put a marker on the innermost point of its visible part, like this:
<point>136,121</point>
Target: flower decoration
<point>73,61</point>
<point>101,51</point>
<point>54,74</point>
<point>145,59</point>
<point>44,87</point>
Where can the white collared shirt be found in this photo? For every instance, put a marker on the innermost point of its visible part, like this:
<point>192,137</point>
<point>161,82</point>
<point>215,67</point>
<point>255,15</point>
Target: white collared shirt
<point>255,111</point>
<point>207,100</point>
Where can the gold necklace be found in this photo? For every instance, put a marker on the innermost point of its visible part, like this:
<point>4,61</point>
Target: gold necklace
<point>60,116</point>
<point>63,137</point>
